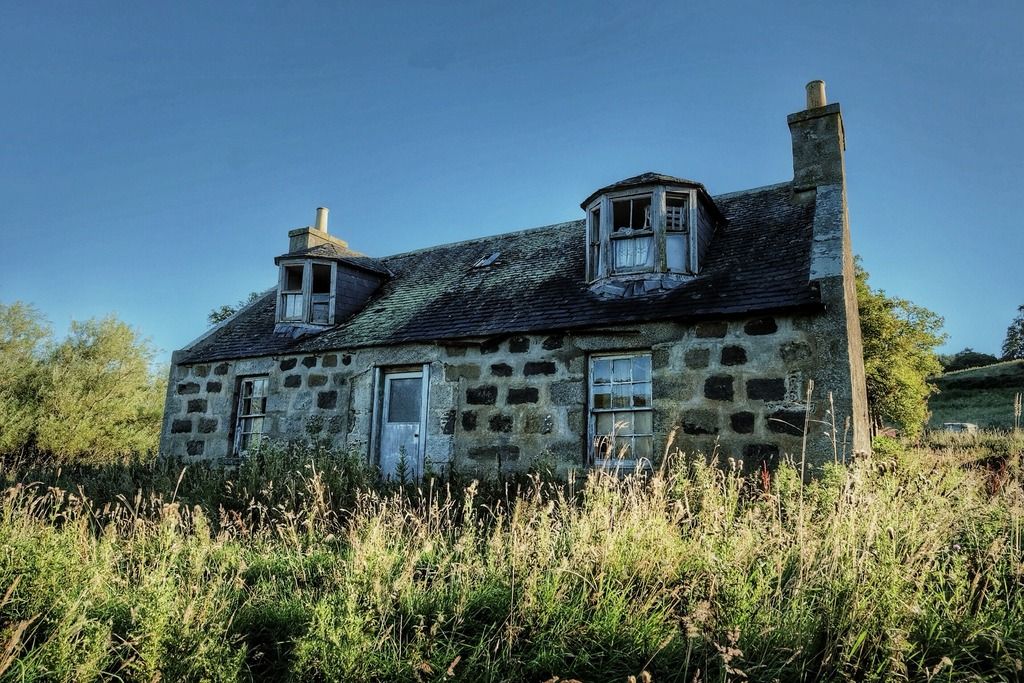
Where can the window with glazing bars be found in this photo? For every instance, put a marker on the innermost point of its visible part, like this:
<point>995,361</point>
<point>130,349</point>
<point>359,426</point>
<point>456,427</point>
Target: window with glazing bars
<point>252,414</point>
<point>621,415</point>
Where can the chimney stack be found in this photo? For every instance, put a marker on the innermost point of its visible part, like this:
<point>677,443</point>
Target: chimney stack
<point>819,142</point>
<point>315,235</point>
<point>321,219</point>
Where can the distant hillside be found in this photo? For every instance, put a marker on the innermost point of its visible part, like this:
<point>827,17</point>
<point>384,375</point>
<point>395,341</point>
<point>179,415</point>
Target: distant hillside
<point>980,395</point>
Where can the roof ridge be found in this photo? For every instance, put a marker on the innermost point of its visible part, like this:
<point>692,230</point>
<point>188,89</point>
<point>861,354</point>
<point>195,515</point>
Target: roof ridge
<point>479,239</point>
<point>763,188</point>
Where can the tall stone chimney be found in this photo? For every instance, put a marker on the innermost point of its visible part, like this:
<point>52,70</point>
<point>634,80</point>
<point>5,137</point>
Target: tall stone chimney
<point>314,235</point>
<point>819,142</point>
<point>819,176</point>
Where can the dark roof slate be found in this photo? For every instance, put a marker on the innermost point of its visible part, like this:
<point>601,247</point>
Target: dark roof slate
<point>338,253</point>
<point>759,261</point>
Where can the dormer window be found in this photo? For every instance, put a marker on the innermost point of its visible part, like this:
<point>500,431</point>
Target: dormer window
<point>650,225</point>
<point>306,293</point>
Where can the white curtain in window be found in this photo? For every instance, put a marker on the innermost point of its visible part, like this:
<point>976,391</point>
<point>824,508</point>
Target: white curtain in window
<point>632,253</point>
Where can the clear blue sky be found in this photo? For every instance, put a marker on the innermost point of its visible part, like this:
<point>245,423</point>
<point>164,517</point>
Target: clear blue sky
<point>153,156</point>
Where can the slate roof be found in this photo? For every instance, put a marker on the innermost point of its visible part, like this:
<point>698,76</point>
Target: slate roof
<point>759,261</point>
<point>338,253</point>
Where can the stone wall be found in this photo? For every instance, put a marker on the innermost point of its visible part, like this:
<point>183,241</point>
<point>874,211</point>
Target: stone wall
<point>735,387</point>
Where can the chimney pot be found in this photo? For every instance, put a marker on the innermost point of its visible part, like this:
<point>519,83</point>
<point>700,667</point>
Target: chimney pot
<point>321,219</point>
<point>816,95</point>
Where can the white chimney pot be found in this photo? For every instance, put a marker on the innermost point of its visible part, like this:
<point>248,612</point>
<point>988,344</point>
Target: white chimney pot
<point>321,219</point>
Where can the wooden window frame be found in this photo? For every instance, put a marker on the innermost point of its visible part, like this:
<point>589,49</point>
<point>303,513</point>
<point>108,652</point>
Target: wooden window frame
<point>593,412</point>
<point>240,416</point>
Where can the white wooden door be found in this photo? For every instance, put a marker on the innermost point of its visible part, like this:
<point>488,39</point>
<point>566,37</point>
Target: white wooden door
<point>402,427</point>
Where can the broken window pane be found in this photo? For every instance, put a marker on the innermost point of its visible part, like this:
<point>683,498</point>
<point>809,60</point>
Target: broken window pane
<point>631,214</point>
<point>293,278</point>
<point>676,213</point>
<point>321,278</point>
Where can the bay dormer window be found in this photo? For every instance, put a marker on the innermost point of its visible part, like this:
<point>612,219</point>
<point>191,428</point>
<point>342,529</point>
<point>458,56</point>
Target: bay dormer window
<point>306,293</point>
<point>652,227</point>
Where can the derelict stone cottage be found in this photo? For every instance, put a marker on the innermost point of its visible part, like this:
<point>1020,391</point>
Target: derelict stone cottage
<point>663,310</point>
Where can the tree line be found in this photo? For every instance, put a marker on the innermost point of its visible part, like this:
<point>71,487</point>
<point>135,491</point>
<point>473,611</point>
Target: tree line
<point>93,396</point>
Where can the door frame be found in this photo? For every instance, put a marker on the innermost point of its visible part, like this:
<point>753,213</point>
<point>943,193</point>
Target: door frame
<point>380,375</point>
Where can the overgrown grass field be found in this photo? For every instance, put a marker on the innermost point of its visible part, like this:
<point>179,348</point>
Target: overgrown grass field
<point>902,567</point>
<point>982,395</point>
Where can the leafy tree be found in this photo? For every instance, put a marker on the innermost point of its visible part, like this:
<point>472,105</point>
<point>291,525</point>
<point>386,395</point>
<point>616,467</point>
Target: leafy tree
<point>102,401</point>
<point>1013,347</point>
<point>227,310</point>
<point>899,355</point>
<point>23,337</point>
<point>968,358</point>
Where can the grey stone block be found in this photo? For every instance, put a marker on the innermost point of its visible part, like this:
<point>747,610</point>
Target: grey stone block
<point>197,405</point>
<point>734,355</point>
<point>453,373</point>
<point>195,447</point>
<point>207,425</point>
<point>787,422</point>
<point>327,400</point>
<point>711,330</point>
<point>553,342</point>
<point>696,422</point>
<point>742,422</point>
<point>213,387</point>
<point>503,453</point>
<point>718,388</point>
<point>309,361</point>
<point>519,344</point>
<point>181,426</point>
<point>544,367</point>
<point>568,393</point>
<point>486,395</point>
<point>761,326</point>
<point>188,388</point>
<point>500,423</point>
<point>793,352</point>
<point>519,395</point>
<point>468,420</point>
<point>288,363</point>
<point>698,358</point>
<point>292,381</point>
<point>501,370</point>
<point>772,389</point>
<point>316,380</point>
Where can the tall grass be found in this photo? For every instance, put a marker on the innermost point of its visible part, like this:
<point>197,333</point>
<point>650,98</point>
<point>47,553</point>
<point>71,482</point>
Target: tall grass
<point>909,567</point>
